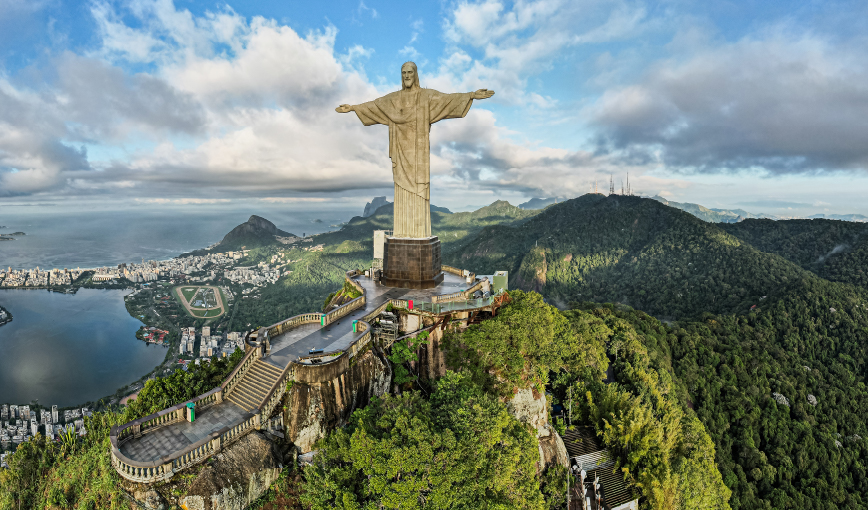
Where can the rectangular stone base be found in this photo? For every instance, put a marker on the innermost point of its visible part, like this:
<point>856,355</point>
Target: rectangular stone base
<point>412,263</point>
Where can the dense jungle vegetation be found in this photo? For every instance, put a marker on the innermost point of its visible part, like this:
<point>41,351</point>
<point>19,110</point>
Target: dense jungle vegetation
<point>835,250</point>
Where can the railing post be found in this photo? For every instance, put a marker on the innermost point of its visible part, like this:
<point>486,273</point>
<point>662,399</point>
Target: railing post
<point>257,421</point>
<point>137,430</point>
<point>218,397</point>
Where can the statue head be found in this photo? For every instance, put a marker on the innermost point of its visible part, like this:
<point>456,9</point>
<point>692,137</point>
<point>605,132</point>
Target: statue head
<point>409,76</point>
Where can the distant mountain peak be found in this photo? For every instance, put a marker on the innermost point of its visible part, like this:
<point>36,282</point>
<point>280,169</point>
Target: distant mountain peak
<point>372,206</point>
<point>541,203</point>
<point>256,231</point>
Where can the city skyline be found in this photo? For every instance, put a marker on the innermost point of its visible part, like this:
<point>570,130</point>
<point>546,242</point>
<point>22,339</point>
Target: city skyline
<point>743,105</point>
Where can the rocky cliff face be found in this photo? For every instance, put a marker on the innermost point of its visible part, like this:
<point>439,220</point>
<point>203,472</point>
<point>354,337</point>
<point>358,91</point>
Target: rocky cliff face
<point>232,480</point>
<point>237,477</point>
<point>372,206</point>
<point>326,401</point>
<point>532,409</point>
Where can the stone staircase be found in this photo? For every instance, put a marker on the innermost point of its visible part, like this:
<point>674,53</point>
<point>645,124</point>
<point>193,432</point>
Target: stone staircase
<point>250,393</point>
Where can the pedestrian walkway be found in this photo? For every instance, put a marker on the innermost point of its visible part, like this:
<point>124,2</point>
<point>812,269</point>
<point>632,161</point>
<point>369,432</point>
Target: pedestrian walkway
<point>180,435</point>
<point>285,348</point>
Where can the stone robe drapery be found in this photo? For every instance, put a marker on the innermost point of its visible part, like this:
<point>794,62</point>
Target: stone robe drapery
<point>409,115</point>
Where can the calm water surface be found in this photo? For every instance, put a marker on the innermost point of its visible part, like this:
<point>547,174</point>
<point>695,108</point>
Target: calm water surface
<point>68,349</point>
<point>59,238</point>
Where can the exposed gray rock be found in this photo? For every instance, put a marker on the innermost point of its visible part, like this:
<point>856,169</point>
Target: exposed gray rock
<point>553,451</point>
<point>529,409</point>
<point>149,500</point>
<point>330,394</point>
<point>237,477</point>
<point>372,206</point>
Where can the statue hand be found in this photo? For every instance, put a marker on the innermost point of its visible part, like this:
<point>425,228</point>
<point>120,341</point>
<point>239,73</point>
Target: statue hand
<point>482,94</point>
<point>344,108</point>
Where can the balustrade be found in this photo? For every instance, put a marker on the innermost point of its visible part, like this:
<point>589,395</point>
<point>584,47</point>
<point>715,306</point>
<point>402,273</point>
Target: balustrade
<point>164,468</point>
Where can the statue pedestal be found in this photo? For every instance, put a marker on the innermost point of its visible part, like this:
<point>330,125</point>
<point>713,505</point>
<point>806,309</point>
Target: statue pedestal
<point>412,263</point>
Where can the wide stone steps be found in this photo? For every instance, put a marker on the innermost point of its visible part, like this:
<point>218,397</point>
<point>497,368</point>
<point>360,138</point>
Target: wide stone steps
<point>249,394</point>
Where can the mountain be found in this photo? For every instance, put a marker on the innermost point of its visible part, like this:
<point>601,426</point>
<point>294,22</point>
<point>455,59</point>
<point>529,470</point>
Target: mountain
<point>776,372</point>
<point>846,217</point>
<point>630,250</point>
<point>833,249</point>
<point>711,215</point>
<point>372,206</point>
<point>255,232</point>
<point>540,203</point>
<point>450,227</point>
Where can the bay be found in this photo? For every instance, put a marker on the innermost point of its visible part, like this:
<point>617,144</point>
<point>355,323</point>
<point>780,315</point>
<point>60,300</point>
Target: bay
<point>66,349</point>
<point>61,238</point>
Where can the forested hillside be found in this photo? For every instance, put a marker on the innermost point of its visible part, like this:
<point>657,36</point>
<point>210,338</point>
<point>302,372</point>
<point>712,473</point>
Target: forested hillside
<point>630,250</point>
<point>776,373</point>
<point>781,391</point>
<point>836,250</point>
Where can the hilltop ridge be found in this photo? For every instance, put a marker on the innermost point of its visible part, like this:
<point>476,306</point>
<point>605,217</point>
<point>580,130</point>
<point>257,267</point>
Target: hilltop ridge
<point>256,231</point>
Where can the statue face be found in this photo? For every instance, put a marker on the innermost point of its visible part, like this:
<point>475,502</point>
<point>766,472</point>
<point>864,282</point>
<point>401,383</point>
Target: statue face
<point>408,76</point>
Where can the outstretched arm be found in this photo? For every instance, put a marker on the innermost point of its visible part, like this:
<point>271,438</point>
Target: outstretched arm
<point>369,113</point>
<point>453,106</point>
<point>482,94</point>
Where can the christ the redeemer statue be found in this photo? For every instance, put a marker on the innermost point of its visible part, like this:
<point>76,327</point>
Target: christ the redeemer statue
<point>409,114</point>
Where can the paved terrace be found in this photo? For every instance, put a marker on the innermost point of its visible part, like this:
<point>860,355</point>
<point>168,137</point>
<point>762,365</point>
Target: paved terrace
<point>284,349</point>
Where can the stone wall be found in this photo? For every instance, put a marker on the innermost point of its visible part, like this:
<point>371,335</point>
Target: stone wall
<point>324,402</point>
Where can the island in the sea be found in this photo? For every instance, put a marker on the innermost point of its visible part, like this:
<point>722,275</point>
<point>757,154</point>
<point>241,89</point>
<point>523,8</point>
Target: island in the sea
<point>5,316</point>
<point>12,236</point>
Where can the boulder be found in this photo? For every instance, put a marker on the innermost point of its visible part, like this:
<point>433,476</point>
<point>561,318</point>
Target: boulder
<point>149,500</point>
<point>553,451</point>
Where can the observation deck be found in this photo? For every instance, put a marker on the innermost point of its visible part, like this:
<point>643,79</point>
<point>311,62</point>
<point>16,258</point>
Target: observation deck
<point>155,447</point>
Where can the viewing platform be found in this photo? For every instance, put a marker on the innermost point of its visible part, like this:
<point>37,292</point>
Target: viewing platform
<point>155,447</point>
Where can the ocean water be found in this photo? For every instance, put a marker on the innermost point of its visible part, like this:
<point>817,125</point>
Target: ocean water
<point>60,238</point>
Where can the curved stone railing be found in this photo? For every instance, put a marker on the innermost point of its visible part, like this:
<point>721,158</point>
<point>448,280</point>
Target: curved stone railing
<point>346,308</point>
<point>166,466</point>
<point>285,325</point>
<point>360,340</point>
<point>162,468</point>
<point>453,270</point>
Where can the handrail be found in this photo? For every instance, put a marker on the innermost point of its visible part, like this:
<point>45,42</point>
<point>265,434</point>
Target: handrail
<point>362,335</point>
<point>239,370</point>
<point>164,467</point>
<point>453,270</point>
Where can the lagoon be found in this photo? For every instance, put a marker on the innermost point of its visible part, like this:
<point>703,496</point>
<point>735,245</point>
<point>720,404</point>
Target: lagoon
<point>68,349</point>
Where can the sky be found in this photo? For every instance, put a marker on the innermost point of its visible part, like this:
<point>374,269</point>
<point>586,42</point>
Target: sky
<point>754,104</point>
